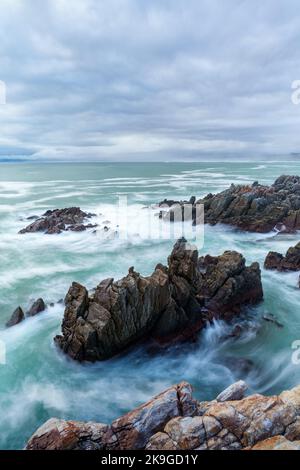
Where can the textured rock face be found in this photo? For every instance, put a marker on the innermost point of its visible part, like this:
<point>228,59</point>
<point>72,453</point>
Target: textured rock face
<point>255,208</point>
<point>225,283</point>
<point>289,262</point>
<point>17,317</point>
<point>135,428</point>
<point>277,443</point>
<point>59,220</point>
<point>57,434</point>
<point>235,391</point>
<point>173,420</point>
<point>174,302</point>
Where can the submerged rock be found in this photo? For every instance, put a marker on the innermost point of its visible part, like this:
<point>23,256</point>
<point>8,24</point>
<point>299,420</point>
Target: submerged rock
<point>173,303</point>
<point>173,420</point>
<point>289,262</point>
<point>255,208</point>
<point>16,318</point>
<point>59,220</point>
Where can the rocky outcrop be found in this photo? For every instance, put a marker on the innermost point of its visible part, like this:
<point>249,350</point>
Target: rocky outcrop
<point>57,434</point>
<point>16,318</point>
<point>173,303</point>
<point>175,421</point>
<point>59,220</point>
<point>255,208</point>
<point>37,307</point>
<point>131,431</point>
<point>289,262</point>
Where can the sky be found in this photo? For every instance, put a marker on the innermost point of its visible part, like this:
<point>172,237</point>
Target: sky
<point>147,80</point>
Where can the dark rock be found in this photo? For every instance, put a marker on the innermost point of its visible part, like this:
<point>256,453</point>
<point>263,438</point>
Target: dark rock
<point>172,304</point>
<point>37,307</point>
<point>289,262</point>
<point>226,283</point>
<point>59,220</point>
<point>17,317</point>
<point>254,208</point>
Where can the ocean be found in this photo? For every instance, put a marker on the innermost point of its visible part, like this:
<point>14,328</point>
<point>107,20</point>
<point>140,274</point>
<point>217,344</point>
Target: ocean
<point>37,381</point>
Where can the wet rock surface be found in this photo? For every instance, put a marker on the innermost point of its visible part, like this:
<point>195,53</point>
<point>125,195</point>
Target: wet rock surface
<point>16,318</point>
<point>173,420</point>
<point>37,307</point>
<point>60,220</point>
<point>289,262</point>
<point>255,208</point>
<point>173,303</point>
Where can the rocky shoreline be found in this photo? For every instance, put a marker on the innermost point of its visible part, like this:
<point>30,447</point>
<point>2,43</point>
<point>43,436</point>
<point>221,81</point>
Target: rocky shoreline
<point>172,304</point>
<point>254,208</point>
<point>174,420</point>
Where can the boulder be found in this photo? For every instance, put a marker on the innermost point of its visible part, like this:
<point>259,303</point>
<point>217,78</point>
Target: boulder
<point>173,303</point>
<point>235,391</point>
<point>37,307</point>
<point>134,430</point>
<point>289,262</point>
<point>17,317</point>
<point>57,434</point>
<point>59,220</point>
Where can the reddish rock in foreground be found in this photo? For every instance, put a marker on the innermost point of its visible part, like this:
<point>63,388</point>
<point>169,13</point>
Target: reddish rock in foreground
<point>173,420</point>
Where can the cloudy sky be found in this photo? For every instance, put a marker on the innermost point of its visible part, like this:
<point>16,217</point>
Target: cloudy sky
<point>149,79</point>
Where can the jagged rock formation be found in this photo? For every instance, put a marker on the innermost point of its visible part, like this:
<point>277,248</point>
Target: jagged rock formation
<point>173,303</point>
<point>37,307</point>
<point>289,262</point>
<point>255,208</point>
<point>18,316</point>
<point>175,421</point>
<point>59,220</point>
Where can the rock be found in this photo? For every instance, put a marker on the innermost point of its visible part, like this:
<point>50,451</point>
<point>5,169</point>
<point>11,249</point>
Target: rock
<point>57,434</point>
<point>277,443</point>
<point>188,433</point>
<point>225,283</point>
<point>172,304</point>
<point>134,430</point>
<point>173,420</point>
<point>235,391</point>
<point>292,432</point>
<point>272,319</point>
<point>289,262</point>
<point>17,317</point>
<point>255,208</point>
<point>161,441</point>
<point>59,220</point>
<point>292,397</point>
<point>37,307</point>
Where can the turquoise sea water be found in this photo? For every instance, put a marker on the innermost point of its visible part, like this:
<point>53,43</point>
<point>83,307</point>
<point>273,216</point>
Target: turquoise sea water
<point>38,382</point>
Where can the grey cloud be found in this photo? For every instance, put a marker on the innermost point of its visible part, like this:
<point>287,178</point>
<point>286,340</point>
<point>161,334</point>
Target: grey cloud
<point>134,79</point>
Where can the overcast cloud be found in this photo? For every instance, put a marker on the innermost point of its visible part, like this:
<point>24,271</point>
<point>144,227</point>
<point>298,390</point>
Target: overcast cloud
<point>149,79</point>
